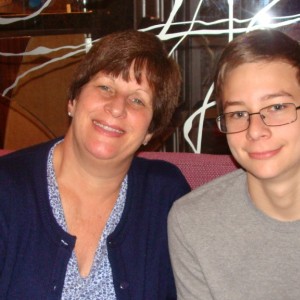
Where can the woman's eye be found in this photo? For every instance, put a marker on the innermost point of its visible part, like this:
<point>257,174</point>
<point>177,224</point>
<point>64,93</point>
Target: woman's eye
<point>137,101</point>
<point>104,88</point>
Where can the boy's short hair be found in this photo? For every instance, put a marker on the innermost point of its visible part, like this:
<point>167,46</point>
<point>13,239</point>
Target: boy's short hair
<point>254,46</point>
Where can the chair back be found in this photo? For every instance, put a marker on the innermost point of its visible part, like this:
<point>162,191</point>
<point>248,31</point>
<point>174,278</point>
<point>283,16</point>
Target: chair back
<point>197,168</point>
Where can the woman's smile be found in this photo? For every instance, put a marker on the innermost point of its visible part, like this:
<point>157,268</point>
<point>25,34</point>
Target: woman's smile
<point>107,128</point>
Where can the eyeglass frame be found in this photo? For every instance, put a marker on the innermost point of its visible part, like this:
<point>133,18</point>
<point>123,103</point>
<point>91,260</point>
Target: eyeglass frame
<point>218,119</point>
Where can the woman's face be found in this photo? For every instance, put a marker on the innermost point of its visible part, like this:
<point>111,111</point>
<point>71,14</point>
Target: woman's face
<point>111,117</point>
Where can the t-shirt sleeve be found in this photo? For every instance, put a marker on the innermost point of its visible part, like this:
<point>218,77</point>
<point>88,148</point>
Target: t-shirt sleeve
<point>189,278</point>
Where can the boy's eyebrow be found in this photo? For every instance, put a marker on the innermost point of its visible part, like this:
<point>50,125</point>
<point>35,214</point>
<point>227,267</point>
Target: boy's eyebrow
<point>232,103</point>
<point>228,103</point>
<point>276,95</point>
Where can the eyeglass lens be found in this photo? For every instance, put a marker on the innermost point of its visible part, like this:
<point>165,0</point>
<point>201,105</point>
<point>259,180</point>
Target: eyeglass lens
<point>272,115</point>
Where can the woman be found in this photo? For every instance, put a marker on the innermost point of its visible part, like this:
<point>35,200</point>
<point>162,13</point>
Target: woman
<point>81,217</point>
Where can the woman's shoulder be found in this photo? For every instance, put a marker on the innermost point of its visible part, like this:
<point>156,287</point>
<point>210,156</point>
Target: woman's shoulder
<point>159,173</point>
<point>156,167</point>
<point>26,159</point>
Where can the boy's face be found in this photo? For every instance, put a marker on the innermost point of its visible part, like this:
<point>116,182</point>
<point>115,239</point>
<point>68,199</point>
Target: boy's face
<point>267,153</point>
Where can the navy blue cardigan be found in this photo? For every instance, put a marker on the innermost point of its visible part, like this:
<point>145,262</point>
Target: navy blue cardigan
<point>34,249</point>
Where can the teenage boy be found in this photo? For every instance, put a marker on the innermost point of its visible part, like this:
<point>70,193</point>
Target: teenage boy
<point>238,237</point>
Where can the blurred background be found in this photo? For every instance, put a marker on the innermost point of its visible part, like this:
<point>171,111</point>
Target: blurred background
<point>41,43</point>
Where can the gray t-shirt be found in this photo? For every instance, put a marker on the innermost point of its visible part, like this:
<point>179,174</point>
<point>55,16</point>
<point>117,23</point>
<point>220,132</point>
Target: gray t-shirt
<point>223,248</point>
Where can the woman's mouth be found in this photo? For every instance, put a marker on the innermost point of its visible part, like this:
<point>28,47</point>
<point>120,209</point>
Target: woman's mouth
<point>108,128</point>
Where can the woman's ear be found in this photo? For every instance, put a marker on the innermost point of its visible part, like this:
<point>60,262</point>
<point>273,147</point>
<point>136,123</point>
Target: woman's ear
<point>71,107</point>
<point>147,138</point>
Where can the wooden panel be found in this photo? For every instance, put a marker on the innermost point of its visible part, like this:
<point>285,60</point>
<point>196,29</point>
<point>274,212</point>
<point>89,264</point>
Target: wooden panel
<point>42,93</point>
<point>9,65</point>
<point>4,107</point>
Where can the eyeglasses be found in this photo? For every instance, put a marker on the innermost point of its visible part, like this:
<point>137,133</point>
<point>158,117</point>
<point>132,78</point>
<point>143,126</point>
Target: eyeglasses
<point>273,115</point>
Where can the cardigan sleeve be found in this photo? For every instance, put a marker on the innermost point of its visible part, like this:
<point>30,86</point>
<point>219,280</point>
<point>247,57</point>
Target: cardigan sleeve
<point>4,217</point>
<point>138,248</point>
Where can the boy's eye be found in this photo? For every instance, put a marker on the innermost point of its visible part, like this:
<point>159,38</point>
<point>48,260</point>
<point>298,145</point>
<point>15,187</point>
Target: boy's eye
<point>277,107</point>
<point>238,115</point>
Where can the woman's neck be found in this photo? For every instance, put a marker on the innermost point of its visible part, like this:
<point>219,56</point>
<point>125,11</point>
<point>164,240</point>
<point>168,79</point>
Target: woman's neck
<point>89,176</point>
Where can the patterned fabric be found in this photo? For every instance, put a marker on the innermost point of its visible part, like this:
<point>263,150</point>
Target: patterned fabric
<point>99,283</point>
<point>197,168</point>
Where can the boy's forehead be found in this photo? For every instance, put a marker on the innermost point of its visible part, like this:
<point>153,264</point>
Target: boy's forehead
<point>258,64</point>
<point>265,79</point>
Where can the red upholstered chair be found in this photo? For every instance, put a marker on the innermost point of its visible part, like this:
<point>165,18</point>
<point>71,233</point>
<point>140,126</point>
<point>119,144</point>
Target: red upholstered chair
<point>197,168</point>
<point>4,151</point>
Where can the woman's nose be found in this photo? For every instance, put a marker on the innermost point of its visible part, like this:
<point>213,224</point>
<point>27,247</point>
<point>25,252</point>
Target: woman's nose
<point>116,106</point>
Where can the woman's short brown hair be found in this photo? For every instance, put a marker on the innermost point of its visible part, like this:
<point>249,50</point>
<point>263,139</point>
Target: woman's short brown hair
<point>258,45</point>
<point>115,53</point>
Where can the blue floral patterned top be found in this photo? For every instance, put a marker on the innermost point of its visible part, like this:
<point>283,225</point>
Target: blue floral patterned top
<point>98,285</point>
